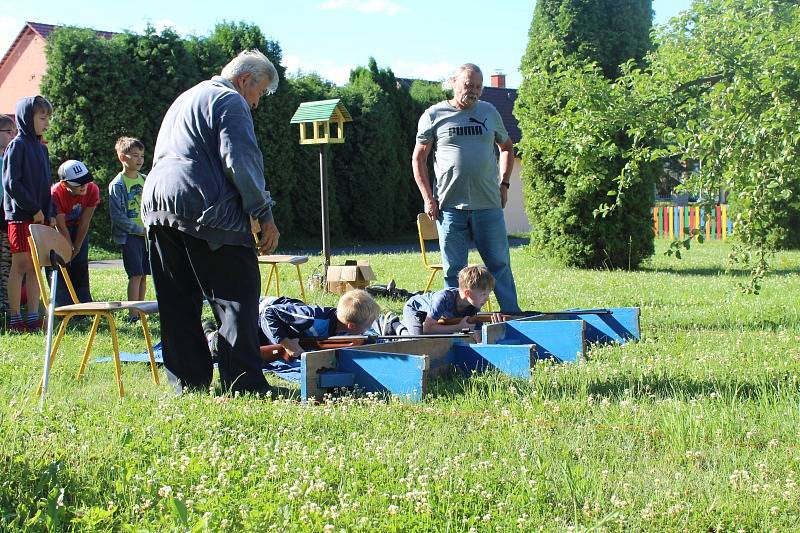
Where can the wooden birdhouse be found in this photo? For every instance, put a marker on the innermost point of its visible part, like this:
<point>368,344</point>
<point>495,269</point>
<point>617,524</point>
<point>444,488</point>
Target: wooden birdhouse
<point>321,122</point>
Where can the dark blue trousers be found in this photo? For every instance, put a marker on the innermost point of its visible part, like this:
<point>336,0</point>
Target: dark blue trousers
<point>78,270</point>
<point>185,270</point>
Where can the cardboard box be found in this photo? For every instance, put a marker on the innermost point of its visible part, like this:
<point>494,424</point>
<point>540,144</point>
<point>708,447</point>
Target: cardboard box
<point>354,274</point>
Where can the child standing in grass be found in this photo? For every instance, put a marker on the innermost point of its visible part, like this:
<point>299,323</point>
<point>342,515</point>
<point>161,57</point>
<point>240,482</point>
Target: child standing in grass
<point>124,207</point>
<point>475,284</point>
<point>75,199</point>
<point>26,200</point>
<point>8,130</point>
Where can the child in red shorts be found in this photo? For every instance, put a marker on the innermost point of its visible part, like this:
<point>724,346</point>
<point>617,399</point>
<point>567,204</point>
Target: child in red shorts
<point>26,200</point>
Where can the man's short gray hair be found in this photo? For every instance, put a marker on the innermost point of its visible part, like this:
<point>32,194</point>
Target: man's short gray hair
<point>254,62</point>
<point>448,83</point>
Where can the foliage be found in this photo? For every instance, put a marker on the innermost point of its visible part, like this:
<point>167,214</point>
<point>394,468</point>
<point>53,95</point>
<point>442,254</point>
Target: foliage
<point>102,89</point>
<point>722,88</point>
<point>675,432</point>
<point>578,134</point>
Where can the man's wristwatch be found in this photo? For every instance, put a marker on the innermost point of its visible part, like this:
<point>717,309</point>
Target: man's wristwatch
<point>505,184</point>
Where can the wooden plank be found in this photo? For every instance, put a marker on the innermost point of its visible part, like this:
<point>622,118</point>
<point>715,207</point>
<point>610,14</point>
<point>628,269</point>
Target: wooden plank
<point>681,221</point>
<point>620,326</point>
<point>399,374</point>
<point>717,223</point>
<point>331,379</point>
<point>515,361</point>
<point>724,222</point>
<point>437,352</point>
<point>655,221</point>
<point>311,364</point>
<point>562,340</point>
<point>671,226</point>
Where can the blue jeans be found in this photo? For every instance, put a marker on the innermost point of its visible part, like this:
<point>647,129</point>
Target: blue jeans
<point>488,229</point>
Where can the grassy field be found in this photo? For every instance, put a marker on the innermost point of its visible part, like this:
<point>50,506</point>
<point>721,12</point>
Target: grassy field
<point>694,428</point>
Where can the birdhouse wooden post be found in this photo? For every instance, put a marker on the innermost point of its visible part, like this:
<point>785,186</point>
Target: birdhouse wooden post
<point>322,123</point>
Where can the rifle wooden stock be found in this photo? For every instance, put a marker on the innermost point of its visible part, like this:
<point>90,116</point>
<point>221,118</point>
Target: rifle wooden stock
<point>277,352</point>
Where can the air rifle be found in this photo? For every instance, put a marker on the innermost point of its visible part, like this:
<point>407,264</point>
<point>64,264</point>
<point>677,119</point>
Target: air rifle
<point>277,352</point>
<point>480,318</point>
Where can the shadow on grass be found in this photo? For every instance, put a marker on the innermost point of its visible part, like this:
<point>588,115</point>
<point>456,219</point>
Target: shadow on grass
<point>681,387</point>
<point>714,271</point>
<point>496,386</point>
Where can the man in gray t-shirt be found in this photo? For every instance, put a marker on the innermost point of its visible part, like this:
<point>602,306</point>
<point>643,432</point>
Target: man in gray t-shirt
<point>470,192</point>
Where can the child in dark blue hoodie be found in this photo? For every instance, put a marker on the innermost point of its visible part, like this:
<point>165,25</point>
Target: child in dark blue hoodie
<point>26,200</point>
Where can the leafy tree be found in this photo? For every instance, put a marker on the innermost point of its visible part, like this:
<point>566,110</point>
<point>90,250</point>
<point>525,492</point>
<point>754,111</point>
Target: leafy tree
<point>577,141</point>
<point>724,85</point>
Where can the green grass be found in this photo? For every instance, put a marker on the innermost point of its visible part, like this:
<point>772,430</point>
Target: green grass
<point>694,428</point>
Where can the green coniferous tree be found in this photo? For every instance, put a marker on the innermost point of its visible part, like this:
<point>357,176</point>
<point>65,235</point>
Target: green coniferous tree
<point>575,137</point>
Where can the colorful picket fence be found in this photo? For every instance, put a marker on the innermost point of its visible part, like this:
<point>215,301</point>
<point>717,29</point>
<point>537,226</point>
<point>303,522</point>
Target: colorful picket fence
<point>678,222</point>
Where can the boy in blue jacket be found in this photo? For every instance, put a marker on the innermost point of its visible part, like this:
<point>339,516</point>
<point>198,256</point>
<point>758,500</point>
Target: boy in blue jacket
<point>124,207</point>
<point>26,200</point>
<point>285,320</point>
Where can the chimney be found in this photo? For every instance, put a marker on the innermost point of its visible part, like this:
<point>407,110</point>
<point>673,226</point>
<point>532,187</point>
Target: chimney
<point>499,80</point>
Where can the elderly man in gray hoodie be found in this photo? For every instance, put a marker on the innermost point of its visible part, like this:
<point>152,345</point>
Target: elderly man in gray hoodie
<point>206,183</point>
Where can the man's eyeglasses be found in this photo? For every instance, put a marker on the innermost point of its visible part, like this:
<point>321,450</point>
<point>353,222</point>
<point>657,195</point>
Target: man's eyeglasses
<point>6,131</point>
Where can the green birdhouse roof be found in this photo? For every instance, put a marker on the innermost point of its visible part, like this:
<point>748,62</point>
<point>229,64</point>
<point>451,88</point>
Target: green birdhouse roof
<point>320,110</point>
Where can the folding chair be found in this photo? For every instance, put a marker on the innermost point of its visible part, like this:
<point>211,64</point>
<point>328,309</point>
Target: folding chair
<point>43,239</point>
<point>426,228</point>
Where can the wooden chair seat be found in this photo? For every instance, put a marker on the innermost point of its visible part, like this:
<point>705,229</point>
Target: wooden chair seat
<point>290,259</point>
<point>148,307</point>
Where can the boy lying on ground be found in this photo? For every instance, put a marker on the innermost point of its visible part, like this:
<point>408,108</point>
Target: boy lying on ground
<point>285,320</point>
<point>423,311</point>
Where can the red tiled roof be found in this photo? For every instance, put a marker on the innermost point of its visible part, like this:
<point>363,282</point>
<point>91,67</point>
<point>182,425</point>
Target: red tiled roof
<point>43,30</point>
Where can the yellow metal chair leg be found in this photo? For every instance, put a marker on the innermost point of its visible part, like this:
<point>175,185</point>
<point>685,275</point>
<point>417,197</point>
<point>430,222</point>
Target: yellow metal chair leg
<point>277,280</point>
<point>269,279</point>
<point>430,281</point>
<point>89,344</point>
<point>300,281</point>
<point>117,365</point>
<point>149,343</point>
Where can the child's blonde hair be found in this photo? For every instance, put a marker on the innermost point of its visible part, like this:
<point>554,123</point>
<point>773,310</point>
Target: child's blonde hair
<point>475,278</point>
<point>357,307</point>
<point>126,144</point>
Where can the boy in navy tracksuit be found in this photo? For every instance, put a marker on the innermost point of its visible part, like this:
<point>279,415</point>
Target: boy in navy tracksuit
<point>26,200</point>
<point>285,320</point>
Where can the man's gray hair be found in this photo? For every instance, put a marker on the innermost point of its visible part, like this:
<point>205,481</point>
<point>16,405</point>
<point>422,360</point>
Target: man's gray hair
<point>254,62</point>
<point>448,83</point>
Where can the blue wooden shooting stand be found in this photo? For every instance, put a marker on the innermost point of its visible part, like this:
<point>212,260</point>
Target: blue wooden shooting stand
<point>403,368</point>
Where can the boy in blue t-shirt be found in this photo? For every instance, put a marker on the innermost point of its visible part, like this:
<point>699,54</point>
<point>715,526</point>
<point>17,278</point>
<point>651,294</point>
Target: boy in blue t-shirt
<point>124,207</point>
<point>475,284</point>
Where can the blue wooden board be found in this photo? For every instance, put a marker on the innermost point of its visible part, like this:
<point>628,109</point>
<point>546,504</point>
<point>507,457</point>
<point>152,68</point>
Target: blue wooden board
<point>398,374</point>
<point>562,340</point>
<point>620,326</point>
<point>513,360</point>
